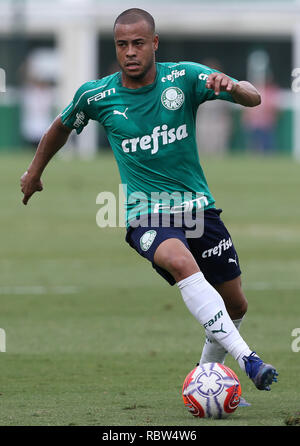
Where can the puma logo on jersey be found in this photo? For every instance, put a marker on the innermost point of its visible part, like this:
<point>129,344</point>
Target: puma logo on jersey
<point>160,136</point>
<point>230,260</point>
<point>117,112</point>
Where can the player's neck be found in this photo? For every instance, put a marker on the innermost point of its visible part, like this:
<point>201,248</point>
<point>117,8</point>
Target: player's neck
<point>147,79</point>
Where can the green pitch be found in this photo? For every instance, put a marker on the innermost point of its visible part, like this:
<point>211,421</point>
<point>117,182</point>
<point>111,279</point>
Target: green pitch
<point>95,337</point>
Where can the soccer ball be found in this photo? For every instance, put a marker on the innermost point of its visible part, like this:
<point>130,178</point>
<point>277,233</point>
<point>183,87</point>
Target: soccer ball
<point>211,390</point>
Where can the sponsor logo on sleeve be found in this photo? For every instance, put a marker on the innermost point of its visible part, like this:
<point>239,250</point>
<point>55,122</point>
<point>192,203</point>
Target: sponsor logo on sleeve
<point>103,94</point>
<point>203,76</point>
<point>80,117</point>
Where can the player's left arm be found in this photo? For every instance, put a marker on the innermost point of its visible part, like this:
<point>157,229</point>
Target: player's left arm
<point>243,92</point>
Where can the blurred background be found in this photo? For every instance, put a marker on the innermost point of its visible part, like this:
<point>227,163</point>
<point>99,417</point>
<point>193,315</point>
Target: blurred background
<point>49,48</point>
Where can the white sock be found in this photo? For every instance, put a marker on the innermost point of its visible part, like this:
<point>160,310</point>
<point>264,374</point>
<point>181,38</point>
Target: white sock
<point>208,307</point>
<point>212,350</point>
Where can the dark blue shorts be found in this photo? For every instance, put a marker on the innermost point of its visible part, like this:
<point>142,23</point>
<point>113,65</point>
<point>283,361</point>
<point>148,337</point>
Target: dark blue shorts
<point>214,251</point>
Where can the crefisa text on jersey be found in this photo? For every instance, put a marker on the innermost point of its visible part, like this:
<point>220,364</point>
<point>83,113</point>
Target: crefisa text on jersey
<point>174,75</point>
<point>160,136</point>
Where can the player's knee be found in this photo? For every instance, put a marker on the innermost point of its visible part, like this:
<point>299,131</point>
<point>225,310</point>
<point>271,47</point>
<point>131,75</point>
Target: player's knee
<point>174,257</point>
<point>243,306</point>
<point>238,307</point>
<point>242,301</point>
<point>234,298</point>
<point>181,266</point>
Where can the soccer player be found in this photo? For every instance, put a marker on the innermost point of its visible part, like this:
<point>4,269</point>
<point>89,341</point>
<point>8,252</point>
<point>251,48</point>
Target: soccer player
<point>148,110</point>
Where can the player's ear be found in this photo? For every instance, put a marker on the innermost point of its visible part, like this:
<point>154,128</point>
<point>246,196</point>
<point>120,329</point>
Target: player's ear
<point>155,42</point>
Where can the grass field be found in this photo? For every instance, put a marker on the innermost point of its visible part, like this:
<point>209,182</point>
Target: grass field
<point>95,337</point>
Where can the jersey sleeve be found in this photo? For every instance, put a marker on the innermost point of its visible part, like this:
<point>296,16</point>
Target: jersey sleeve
<point>75,115</point>
<point>198,75</point>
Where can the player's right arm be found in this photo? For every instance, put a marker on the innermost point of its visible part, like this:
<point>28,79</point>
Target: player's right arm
<point>74,116</point>
<point>53,139</point>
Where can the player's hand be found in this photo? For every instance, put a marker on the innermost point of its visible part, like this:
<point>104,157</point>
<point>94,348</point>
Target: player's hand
<point>220,82</point>
<point>29,185</point>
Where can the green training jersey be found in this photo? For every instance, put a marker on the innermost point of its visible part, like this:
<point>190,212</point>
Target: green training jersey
<point>152,132</point>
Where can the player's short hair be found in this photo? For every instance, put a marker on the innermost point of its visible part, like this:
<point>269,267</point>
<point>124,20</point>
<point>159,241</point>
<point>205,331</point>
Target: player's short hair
<point>134,15</point>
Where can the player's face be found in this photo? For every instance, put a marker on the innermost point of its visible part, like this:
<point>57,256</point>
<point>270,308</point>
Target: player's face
<point>135,49</point>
